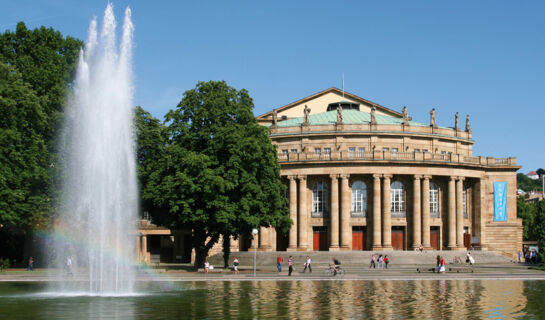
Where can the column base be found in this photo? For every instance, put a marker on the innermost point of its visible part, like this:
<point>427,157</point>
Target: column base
<point>345,248</point>
<point>452,247</point>
<point>428,248</point>
<point>264,249</point>
<point>416,247</point>
<point>302,249</point>
<point>334,248</point>
<point>387,248</point>
<point>291,249</point>
<point>376,248</point>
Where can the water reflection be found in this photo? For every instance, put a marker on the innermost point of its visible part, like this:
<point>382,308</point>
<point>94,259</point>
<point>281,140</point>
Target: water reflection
<point>433,299</point>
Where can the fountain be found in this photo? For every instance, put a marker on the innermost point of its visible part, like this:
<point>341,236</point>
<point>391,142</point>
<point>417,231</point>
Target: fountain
<point>98,209</point>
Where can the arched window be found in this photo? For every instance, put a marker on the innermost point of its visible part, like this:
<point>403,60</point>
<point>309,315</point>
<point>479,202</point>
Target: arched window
<point>359,199</point>
<point>397,199</point>
<point>319,200</point>
<point>434,200</point>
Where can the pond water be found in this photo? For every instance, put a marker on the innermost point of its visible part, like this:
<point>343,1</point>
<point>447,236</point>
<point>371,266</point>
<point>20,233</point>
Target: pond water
<point>349,299</point>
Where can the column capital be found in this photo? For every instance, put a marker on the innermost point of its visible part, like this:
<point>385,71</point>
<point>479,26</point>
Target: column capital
<point>388,176</point>
<point>334,176</point>
<point>292,177</point>
<point>345,176</point>
<point>302,177</point>
<point>453,178</point>
<point>460,178</point>
<point>426,177</point>
<point>417,177</point>
<point>377,175</point>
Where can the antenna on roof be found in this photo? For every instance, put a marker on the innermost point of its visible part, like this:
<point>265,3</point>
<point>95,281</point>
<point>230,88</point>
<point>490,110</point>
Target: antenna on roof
<point>343,85</point>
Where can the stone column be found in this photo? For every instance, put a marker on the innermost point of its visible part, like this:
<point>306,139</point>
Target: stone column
<point>452,213</point>
<point>417,233</point>
<point>334,219</point>
<point>426,212</point>
<point>346,233</point>
<point>145,248</point>
<point>293,214</point>
<point>460,213</point>
<point>264,239</point>
<point>377,243</point>
<point>303,214</point>
<point>386,214</point>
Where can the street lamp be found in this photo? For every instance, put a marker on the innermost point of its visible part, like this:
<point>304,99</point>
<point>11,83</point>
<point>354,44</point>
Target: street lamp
<point>255,232</point>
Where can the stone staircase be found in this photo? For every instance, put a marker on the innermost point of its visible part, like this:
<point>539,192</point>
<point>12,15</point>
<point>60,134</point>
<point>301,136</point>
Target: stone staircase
<point>358,259</point>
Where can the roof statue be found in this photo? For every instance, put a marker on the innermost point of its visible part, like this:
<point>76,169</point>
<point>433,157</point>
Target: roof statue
<point>307,113</point>
<point>340,114</point>
<point>468,129</point>
<point>456,122</point>
<point>433,124</point>
<point>405,112</point>
<point>274,118</point>
<point>373,115</point>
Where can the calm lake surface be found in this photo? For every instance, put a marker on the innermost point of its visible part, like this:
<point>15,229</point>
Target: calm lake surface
<point>348,299</point>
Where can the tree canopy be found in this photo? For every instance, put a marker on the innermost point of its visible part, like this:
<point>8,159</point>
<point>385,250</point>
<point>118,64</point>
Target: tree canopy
<point>219,174</point>
<point>526,184</point>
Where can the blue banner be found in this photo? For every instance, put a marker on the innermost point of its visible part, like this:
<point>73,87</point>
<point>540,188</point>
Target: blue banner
<point>500,201</point>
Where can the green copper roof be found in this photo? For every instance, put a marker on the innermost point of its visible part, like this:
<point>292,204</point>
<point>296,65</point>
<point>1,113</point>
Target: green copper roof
<point>349,117</point>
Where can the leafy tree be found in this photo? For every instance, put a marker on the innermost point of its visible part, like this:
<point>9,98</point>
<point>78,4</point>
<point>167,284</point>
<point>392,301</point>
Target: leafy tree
<point>539,224</point>
<point>527,184</point>
<point>150,146</point>
<point>220,174</point>
<point>540,172</point>
<point>527,212</point>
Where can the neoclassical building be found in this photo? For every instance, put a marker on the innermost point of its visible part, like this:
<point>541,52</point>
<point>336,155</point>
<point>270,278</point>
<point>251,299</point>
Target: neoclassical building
<point>361,176</point>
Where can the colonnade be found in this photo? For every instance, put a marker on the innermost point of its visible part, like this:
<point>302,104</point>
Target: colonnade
<point>340,228</point>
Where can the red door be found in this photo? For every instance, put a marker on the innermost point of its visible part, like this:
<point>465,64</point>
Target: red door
<point>319,238</point>
<point>434,238</point>
<point>398,237</point>
<point>467,241</point>
<point>358,238</point>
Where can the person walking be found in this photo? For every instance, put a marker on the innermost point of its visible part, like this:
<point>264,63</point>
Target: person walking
<point>206,266</point>
<point>373,262</point>
<point>380,261</point>
<point>520,256</point>
<point>386,261</point>
<point>307,265</point>
<point>470,259</point>
<point>30,264</point>
<point>279,262</point>
<point>290,266</point>
<point>442,264</point>
<point>235,265</point>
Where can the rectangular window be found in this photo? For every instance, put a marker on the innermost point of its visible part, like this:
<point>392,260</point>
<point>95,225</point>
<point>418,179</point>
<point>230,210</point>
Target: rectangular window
<point>416,150</point>
<point>434,203</point>
<point>395,150</point>
<point>443,152</point>
<point>385,149</point>
<point>424,150</point>
<point>351,152</point>
<point>293,150</point>
<point>318,150</point>
<point>285,152</point>
<point>327,150</point>
<point>361,150</point>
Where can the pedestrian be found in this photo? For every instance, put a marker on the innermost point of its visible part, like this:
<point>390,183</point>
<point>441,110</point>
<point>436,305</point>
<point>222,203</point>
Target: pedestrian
<point>421,248</point>
<point>470,259</point>
<point>373,262</point>
<point>290,266</point>
<point>30,264</point>
<point>438,264</point>
<point>68,266</point>
<point>520,256</point>
<point>386,261</point>
<point>307,265</point>
<point>534,256</point>
<point>380,261</point>
<point>206,266</point>
<point>279,262</point>
<point>235,265</point>
<point>442,264</point>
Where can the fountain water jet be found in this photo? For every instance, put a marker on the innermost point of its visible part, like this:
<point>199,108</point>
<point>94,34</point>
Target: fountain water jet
<point>96,226</point>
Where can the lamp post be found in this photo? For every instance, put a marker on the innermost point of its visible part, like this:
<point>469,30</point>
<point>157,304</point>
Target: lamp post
<point>255,232</point>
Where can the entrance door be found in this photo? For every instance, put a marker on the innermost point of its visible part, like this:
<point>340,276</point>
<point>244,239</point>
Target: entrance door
<point>282,241</point>
<point>434,238</point>
<point>467,241</point>
<point>319,239</point>
<point>358,238</point>
<point>398,237</point>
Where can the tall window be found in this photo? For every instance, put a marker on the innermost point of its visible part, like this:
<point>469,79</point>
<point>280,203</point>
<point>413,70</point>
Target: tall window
<point>351,152</point>
<point>319,200</point>
<point>434,200</point>
<point>397,199</point>
<point>359,199</point>
<point>318,150</point>
<point>464,200</point>
<point>327,150</point>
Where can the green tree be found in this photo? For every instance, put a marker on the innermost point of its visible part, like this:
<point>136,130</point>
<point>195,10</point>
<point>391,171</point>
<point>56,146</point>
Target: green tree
<point>220,174</point>
<point>527,184</point>
<point>539,225</point>
<point>527,212</point>
<point>150,148</point>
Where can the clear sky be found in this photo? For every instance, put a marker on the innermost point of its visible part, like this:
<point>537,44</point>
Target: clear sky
<point>483,58</point>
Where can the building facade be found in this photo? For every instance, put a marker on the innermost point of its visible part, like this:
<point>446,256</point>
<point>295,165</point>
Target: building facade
<point>360,176</point>
<point>364,177</point>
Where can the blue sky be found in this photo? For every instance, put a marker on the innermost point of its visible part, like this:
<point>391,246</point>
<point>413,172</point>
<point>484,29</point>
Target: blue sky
<point>483,58</point>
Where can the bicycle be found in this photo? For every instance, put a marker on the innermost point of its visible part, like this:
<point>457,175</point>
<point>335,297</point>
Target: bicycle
<point>329,272</point>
